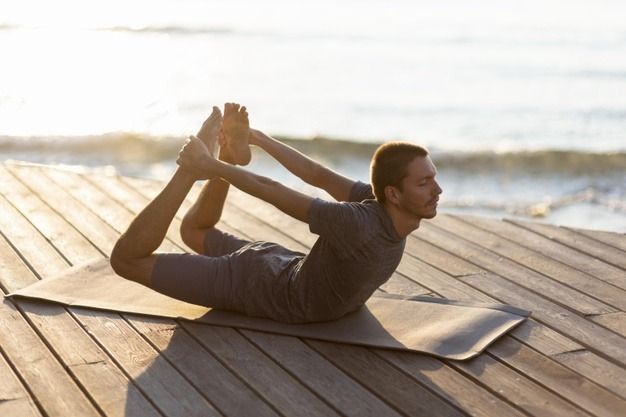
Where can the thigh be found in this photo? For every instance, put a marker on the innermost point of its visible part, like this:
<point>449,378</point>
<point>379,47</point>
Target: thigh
<point>196,279</point>
<point>219,243</point>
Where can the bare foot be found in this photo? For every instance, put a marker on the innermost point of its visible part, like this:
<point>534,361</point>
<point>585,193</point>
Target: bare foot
<point>210,129</point>
<point>236,129</point>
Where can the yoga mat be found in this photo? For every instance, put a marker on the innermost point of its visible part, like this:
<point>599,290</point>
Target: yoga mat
<point>444,328</point>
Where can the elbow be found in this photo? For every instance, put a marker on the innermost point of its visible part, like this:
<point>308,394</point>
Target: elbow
<point>119,262</point>
<point>116,260</point>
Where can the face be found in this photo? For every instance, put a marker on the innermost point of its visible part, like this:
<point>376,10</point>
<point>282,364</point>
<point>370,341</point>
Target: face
<point>420,191</point>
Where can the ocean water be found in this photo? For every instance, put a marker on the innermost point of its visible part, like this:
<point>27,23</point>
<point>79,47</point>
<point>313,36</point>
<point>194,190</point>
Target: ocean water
<point>523,104</point>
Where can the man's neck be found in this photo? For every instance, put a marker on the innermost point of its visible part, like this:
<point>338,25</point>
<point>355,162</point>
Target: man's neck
<point>402,222</point>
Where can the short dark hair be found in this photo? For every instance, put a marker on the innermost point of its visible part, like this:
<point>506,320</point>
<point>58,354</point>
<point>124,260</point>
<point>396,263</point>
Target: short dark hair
<point>389,165</point>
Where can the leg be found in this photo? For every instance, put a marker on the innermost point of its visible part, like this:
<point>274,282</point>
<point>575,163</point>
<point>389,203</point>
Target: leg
<point>203,280</point>
<point>204,214</point>
<point>132,256</point>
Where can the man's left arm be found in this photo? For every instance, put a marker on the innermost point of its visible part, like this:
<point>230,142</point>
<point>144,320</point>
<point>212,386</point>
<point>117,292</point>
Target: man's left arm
<point>195,159</point>
<point>287,200</point>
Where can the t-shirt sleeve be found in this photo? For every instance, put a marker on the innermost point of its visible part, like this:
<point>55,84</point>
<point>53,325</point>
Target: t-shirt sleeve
<point>341,223</point>
<point>360,191</point>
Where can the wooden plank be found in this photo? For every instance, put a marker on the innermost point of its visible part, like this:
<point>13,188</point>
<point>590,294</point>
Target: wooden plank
<point>438,282</point>
<point>405,393</point>
<point>61,202</point>
<point>595,337</point>
<point>522,392</point>
<point>14,274</point>
<point>596,369</point>
<point>578,241</point>
<point>98,374</point>
<point>613,321</point>
<point>81,356</point>
<point>54,227</point>
<point>14,398</point>
<point>433,255</point>
<point>456,388</point>
<point>109,388</point>
<point>558,378</point>
<point>617,240</point>
<point>46,378</point>
<point>170,392</point>
<point>227,392</point>
<point>272,382</point>
<point>18,228</point>
<point>544,339</point>
<point>552,249</point>
<point>585,283</point>
<point>329,382</point>
<point>520,275</point>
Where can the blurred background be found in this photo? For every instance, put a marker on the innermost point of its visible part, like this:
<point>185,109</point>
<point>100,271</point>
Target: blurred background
<point>522,104</point>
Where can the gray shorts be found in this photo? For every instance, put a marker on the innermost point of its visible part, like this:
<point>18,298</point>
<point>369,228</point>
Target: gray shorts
<point>233,274</point>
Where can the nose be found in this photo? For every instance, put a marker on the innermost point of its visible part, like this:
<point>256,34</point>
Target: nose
<point>437,189</point>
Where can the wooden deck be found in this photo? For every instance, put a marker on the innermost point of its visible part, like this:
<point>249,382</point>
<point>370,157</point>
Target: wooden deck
<point>568,360</point>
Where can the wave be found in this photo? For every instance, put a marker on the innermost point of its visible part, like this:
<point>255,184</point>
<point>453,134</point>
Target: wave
<point>141,148</point>
<point>171,29</point>
<point>539,209</point>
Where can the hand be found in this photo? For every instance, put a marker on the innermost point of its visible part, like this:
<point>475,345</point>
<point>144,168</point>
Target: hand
<point>194,158</point>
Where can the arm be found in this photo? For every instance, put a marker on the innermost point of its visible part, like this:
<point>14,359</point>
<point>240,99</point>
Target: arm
<point>310,171</point>
<point>285,199</point>
<point>195,158</point>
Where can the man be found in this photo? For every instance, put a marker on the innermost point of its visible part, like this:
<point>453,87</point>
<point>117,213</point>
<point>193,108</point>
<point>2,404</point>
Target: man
<point>361,239</point>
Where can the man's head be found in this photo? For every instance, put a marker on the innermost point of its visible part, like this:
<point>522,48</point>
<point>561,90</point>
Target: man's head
<point>403,175</point>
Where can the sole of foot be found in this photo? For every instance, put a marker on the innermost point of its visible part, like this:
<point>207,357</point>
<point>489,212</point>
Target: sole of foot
<point>236,128</point>
<point>210,129</point>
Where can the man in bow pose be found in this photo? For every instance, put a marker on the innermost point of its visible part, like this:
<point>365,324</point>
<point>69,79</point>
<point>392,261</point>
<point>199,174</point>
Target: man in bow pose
<point>361,235</point>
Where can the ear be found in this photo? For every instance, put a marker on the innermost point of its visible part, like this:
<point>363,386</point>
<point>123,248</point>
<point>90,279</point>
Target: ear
<point>392,194</point>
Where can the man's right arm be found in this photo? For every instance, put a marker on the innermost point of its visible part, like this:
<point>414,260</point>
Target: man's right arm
<point>310,171</point>
<point>287,200</point>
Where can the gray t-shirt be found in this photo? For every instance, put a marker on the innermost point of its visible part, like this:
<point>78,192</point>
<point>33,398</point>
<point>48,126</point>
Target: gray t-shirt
<point>358,249</point>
